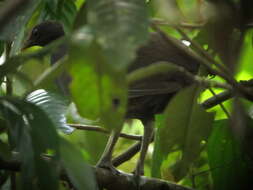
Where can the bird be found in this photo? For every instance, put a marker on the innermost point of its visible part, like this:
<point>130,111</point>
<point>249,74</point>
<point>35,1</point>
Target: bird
<point>146,97</point>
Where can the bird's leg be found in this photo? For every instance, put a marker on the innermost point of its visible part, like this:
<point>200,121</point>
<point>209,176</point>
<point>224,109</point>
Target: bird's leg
<point>148,133</point>
<point>106,158</point>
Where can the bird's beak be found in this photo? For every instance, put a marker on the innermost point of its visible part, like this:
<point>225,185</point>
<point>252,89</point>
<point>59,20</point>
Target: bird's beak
<point>28,43</point>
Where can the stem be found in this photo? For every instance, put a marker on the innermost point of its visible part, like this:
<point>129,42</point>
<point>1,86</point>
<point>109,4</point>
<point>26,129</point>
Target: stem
<point>221,105</point>
<point>9,89</point>
<point>102,130</point>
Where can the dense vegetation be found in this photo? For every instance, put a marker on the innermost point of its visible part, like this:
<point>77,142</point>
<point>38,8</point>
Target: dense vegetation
<point>203,138</point>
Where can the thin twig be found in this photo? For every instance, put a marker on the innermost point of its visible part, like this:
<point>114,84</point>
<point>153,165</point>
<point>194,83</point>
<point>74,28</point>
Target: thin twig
<point>217,99</point>
<point>221,105</point>
<point>189,52</point>
<point>225,72</point>
<point>223,96</point>
<point>127,155</point>
<point>9,86</point>
<point>208,64</point>
<point>202,52</point>
<point>102,130</point>
<point>162,22</point>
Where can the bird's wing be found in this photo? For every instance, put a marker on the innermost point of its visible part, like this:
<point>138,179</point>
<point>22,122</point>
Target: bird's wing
<point>170,88</point>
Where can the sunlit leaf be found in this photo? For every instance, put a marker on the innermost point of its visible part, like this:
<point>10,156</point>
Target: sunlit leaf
<point>245,69</point>
<point>102,94</point>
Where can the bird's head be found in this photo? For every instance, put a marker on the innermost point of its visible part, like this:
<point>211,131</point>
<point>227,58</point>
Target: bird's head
<point>44,33</point>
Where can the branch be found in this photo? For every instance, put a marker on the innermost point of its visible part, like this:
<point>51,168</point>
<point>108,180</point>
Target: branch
<point>162,22</point>
<point>221,105</point>
<point>127,155</point>
<point>208,64</point>
<point>202,52</point>
<point>223,96</point>
<point>189,52</point>
<point>225,72</point>
<point>215,100</point>
<point>102,130</point>
<point>124,181</point>
<point>110,181</point>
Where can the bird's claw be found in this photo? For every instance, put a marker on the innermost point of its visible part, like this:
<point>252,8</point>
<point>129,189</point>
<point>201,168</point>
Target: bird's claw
<point>137,173</point>
<point>108,166</point>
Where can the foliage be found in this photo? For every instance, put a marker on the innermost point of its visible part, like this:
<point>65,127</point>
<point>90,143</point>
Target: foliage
<point>195,145</point>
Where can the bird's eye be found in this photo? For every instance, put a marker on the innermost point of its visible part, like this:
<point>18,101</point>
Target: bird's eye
<point>35,32</point>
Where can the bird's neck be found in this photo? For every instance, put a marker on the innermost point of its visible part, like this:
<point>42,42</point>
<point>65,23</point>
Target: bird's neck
<point>59,53</point>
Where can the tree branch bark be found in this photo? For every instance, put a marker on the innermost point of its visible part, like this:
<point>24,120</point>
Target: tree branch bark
<point>102,130</point>
<point>110,181</point>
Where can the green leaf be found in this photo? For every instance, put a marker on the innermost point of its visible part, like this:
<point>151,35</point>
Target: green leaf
<point>62,10</point>
<point>98,91</point>
<point>158,156</point>
<point>66,13</point>
<point>52,4</point>
<point>244,70</point>
<point>185,126</point>
<point>111,19</point>
<point>229,166</point>
<point>81,175</point>
<point>102,94</point>
<point>32,134</point>
<point>53,105</point>
<point>5,151</point>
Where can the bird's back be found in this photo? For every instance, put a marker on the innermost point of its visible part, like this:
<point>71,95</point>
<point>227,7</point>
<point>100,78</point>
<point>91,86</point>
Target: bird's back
<point>150,96</point>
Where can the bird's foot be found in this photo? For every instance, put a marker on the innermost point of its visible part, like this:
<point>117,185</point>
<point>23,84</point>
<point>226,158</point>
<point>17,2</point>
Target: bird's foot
<point>108,166</point>
<point>137,173</point>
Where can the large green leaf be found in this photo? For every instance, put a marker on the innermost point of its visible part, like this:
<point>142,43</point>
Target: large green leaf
<point>67,12</point>
<point>97,90</point>
<point>245,69</point>
<point>121,27</point>
<point>81,175</point>
<point>32,134</point>
<point>52,4</point>
<point>185,125</point>
<point>61,10</point>
<point>98,70</point>
<point>229,165</point>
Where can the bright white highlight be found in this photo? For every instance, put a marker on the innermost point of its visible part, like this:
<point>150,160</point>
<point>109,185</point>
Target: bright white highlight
<point>185,42</point>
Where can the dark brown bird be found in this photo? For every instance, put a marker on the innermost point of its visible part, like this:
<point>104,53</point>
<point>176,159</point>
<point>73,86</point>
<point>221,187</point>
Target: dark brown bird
<point>147,97</point>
